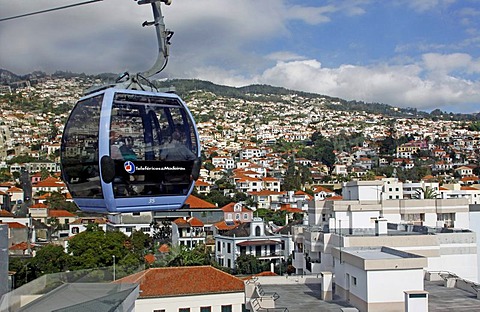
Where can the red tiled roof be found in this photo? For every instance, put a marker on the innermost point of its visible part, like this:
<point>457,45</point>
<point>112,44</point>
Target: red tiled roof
<point>334,198</point>
<point>201,183</point>
<point>198,203</point>
<point>177,281</point>
<point>468,188</point>
<point>96,220</point>
<point>267,273</point>
<point>38,206</point>
<point>179,221</point>
<point>195,222</point>
<point>222,225</point>
<point>19,246</point>
<point>14,189</point>
<point>50,182</point>
<point>60,213</point>
<point>229,208</point>
<point>15,225</point>
<point>5,213</point>
<point>290,209</point>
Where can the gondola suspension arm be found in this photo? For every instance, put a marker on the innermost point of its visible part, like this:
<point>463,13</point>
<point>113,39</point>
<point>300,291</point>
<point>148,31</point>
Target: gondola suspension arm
<point>163,37</point>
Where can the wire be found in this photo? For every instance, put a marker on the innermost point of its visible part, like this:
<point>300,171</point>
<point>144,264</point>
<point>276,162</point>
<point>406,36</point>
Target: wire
<point>48,10</point>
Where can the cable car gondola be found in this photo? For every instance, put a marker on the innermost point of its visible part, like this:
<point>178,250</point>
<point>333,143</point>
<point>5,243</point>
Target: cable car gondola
<point>129,148</point>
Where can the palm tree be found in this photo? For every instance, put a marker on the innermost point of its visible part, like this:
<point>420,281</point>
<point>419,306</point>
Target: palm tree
<point>425,193</point>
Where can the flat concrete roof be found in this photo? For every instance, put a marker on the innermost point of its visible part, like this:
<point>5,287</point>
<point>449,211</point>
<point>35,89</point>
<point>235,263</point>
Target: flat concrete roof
<point>306,297</point>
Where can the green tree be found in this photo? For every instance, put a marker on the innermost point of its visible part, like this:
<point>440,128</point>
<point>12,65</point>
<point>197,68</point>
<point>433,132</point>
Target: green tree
<point>50,259</point>
<point>249,264</point>
<point>57,201</point>
<point>95,248</point>
<point>181,255</point>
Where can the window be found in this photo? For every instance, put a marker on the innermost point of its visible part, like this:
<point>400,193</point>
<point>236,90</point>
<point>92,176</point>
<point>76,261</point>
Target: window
<point>354,280</point>
<point>75,230</point>
<point>227,308</point>
<point>205,309</point>
<point>229,248</point>
<point>145,229</point>
<point>128,229</point>
<point>136,213</point>
<point>80,158</point>
<point>161,310</point>
<point>184,310</point>
<point>245,216</point>
<point>219,246</point>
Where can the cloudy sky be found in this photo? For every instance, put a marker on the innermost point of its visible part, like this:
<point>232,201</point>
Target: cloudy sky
<point>406,53</point>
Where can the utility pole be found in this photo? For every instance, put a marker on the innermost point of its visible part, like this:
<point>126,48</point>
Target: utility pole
<point>113,267</point>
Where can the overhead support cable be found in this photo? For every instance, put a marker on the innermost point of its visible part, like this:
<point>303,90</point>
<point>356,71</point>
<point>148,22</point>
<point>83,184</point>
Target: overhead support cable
<point>48,10</point>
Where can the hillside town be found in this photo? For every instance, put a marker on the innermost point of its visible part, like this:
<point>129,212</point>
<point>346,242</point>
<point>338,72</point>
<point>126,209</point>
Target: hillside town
<point>394,199</point>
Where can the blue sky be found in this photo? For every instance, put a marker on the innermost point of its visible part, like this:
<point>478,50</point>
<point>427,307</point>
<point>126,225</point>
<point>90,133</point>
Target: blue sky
<point>406,53</point>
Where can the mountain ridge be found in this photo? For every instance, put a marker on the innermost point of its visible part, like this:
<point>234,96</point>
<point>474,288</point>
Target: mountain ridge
<point>251,92</point>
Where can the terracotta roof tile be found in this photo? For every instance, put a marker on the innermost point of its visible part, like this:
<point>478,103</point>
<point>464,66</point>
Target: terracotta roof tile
<point>197,203</point>
<point>223,226</point>
<point>195,222</point>
<point>60,213</point>
<point>15,225</point>
<point>177,281</point>
<point>38,206</point>
<point>5,213</point>
<point>19,246</point>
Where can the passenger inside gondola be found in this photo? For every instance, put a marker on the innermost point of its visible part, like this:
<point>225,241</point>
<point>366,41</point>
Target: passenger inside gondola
<point>176,150</point>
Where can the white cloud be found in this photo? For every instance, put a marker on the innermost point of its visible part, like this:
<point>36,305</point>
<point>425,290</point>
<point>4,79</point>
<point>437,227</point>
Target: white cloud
<point>447,63</point>
<point>399,85</point>
<point>425,5</point>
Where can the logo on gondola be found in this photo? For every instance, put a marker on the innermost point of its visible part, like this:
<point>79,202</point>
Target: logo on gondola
<point>129,167</point>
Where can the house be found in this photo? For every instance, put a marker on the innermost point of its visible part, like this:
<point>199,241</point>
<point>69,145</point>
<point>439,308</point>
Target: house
<point>464,171</point>
<point>16,194</point>
<point>248,239</point>
<point>237,212</point>
<point>320,192</point>
<point>182,289</point>
<point>202,187</point>
<point>80,224</point>
<point>264,199</point>
<point>188,232</point>
<point>49,184</point>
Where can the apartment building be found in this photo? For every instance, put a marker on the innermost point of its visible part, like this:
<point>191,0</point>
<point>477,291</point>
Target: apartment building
<point>436,229</point>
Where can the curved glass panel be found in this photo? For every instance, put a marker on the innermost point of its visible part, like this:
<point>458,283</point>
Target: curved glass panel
<point>79,154</point>
<point>153,145</point>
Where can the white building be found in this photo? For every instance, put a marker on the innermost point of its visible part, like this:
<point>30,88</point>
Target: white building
<point>435,228</point>
<point>130,222</point>
<point>376,279</point>
<point>249,239</point>
<point>181,289</point>
<point>471,193</point>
